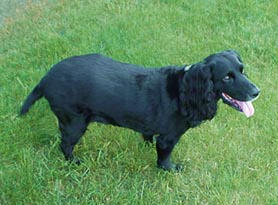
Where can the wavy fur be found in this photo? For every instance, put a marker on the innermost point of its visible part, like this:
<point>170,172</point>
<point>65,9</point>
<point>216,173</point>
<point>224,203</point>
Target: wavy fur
<point>197,98</point>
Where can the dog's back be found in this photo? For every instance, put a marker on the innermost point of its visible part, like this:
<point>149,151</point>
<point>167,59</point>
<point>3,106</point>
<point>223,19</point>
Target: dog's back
<point>109,90</point>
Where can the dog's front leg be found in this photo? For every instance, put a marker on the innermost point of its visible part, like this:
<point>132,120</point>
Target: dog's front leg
<point>164,147</point>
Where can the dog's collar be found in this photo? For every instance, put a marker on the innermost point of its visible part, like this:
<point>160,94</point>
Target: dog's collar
<point>187,68</point>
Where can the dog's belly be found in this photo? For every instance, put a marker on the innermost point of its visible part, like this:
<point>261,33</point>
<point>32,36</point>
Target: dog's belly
<point>104,119</point>
<point>126,122</point>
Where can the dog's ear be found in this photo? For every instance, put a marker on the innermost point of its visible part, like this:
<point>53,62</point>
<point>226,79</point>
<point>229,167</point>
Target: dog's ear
<point>197,99</point>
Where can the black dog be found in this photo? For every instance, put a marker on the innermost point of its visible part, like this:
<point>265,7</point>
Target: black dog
<point>164,102</point>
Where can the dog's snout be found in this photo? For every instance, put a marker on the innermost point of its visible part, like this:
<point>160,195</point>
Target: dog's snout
<point>256,93</point>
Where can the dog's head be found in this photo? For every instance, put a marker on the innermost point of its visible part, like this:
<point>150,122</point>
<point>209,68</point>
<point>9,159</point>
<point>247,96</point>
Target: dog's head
<point>231,83</point>
<point>219,76</point>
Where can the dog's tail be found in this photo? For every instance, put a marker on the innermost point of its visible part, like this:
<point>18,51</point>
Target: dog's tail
<point>35,95</point>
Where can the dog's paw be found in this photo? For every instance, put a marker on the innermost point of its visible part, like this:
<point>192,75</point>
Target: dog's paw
<point>75,161</point>
<point>170,167</point>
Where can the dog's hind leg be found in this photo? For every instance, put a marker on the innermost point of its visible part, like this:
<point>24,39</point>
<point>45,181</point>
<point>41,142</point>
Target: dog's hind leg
<point>72,128</point>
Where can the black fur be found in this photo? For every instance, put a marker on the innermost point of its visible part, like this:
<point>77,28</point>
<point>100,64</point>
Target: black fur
<point>164,101</point>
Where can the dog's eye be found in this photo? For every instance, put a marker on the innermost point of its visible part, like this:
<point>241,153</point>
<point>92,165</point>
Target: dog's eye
<point>227,77</point>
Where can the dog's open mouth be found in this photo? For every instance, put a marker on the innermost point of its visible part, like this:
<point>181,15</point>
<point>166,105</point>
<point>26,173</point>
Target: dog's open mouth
<point>245,107</point>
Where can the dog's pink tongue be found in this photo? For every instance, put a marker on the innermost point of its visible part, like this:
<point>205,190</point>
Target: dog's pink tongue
<point>247,108</point>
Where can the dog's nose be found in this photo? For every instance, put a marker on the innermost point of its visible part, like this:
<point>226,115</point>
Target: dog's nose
<point>256,93</point>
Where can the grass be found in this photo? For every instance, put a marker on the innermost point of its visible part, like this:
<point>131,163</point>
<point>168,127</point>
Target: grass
<point>229,160</point>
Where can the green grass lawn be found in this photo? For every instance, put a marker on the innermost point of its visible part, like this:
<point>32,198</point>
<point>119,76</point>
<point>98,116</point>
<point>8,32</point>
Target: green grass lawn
<point>229,160</point>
